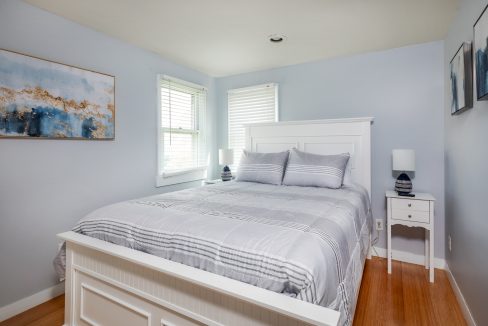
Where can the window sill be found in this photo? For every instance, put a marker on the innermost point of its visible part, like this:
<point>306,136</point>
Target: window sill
<point>177,177</point>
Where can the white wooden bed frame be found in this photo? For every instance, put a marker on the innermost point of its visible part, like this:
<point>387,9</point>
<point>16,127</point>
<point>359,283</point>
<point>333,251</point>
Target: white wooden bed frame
<point>107,284</point>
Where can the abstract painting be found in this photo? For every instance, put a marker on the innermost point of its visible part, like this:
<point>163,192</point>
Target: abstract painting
<point>45,99</point>
<point>461,79</point>
<point>481,55</point>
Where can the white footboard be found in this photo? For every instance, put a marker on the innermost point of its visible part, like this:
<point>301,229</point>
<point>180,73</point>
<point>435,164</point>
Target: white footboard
<point>108,284</point>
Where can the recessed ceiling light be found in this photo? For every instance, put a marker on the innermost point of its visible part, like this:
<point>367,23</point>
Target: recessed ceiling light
<point>277,38</point>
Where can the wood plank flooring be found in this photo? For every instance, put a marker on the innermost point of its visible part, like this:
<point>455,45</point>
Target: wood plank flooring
<point>403,298</point>
<point>50,313</point>
<point>406,297</point>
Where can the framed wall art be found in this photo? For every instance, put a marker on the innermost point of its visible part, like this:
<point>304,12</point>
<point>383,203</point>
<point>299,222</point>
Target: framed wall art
<point>46,99</point>
<point>480,30</point>
<point>461,79</point>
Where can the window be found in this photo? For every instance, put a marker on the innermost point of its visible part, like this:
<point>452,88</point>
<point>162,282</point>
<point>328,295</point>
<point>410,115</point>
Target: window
<point>249,105</point>
<point>182,154</point>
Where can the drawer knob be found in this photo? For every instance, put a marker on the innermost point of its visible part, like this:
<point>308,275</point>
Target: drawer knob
<point>409,215</point>
<point>409,205</point>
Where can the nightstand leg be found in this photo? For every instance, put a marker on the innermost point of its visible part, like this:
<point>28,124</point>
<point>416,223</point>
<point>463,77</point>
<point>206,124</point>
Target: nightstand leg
<point>427,256</point>
<point>389,248</point>
<point>431,254</point>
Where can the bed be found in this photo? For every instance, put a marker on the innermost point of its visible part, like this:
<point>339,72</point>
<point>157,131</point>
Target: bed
<point>236,253</point>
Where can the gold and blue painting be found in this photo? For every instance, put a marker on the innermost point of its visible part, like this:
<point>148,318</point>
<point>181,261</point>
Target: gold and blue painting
<point>45,99</point>
<point>461,79</point>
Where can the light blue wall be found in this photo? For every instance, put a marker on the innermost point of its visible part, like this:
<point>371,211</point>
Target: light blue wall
<point>466,159</point>
<point>47,185</point>
<point>401,88</point>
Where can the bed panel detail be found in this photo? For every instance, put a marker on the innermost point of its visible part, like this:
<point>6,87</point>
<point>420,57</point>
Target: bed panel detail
<point>325,137</point>
<point>136,295</point>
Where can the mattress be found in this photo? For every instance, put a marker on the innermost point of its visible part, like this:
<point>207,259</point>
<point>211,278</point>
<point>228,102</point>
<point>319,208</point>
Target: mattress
<point>304,242</point>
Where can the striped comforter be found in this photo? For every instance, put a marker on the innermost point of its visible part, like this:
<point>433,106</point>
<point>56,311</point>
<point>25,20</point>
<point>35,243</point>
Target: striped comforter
<point>301,241</point>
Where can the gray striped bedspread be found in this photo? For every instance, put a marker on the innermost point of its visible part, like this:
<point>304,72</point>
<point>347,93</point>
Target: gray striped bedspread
<point>300,241</point>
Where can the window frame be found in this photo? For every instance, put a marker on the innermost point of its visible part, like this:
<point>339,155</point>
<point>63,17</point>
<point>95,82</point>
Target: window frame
<point>276,106</point>
<point>184,175</point>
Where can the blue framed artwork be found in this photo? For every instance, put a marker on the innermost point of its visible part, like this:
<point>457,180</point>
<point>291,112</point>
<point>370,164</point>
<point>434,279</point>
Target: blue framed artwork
<point>480,30</point>
<point>461,79</point>
<point>45,99</point>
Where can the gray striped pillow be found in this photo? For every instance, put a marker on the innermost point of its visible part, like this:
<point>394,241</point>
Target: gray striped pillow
<point>312,170</point>
<point>262,167</point>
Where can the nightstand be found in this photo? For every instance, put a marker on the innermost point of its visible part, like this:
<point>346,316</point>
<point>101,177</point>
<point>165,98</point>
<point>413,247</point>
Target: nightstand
<point>415,211</point>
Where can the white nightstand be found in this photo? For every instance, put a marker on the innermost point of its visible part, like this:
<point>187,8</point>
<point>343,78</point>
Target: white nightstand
<point>415,211</point>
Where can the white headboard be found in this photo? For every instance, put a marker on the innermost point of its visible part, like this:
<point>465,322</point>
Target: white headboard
<point>324,137</point>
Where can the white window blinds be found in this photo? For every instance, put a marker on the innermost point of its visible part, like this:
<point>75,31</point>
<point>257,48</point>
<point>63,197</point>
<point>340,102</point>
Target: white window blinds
<point>182,145</point>
<point>249,105</point>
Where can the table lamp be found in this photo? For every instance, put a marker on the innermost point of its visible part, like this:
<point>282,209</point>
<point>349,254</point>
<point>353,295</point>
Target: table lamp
<point>403,161</point>
<point>226,158</point>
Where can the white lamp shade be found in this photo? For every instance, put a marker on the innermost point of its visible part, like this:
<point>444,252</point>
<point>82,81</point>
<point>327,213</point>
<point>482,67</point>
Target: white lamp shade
<point>226,156</point>
<point>403,160</point>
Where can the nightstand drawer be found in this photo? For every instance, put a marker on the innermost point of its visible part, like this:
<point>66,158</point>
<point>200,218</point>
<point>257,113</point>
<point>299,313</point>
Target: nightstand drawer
<point>410,204</point>
<point>410,215</point>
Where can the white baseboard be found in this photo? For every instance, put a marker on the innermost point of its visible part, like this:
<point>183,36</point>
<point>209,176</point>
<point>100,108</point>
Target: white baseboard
<point>24,304</point>
<point>408,257</point>
<point>460,298</point>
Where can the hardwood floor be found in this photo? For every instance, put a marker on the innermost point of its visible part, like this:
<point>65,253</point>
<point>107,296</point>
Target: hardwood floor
<point>50,313</point>
<point>403,298</point>
<point>406,297</point>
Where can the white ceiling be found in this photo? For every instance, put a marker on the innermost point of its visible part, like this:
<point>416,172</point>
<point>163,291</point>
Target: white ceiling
<point>226,37</point>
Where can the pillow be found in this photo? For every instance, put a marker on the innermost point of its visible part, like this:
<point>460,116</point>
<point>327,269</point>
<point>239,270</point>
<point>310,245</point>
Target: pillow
<point>312,170</point>
<point>348,174</point>
<point>262,167</point>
